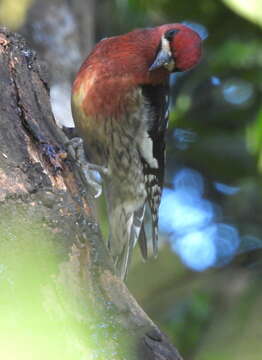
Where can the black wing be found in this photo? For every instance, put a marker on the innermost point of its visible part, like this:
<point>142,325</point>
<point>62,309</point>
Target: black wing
<point>158,99</point>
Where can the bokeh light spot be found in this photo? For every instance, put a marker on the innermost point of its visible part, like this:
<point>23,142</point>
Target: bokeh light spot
<point>237,92</point>
<point>196,250</point>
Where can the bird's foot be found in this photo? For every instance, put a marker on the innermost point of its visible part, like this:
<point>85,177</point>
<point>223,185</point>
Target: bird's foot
<point>76,150</point>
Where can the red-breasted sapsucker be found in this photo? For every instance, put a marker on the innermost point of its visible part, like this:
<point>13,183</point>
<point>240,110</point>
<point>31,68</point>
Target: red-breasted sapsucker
<point>120,106</point>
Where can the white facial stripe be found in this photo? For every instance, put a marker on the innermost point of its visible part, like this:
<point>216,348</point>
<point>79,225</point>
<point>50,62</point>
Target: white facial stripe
<point>165,46</point>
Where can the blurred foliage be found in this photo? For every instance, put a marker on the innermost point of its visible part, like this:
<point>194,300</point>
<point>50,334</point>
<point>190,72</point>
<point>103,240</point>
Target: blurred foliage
<point>254,138</point>
<point>13,12</point>
<point>238,55</point>
<point>191,313</point>
<point>252,9</point>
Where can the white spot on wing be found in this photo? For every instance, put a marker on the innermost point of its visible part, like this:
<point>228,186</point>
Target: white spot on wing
<point>146,149</point>
<point>150,177</point>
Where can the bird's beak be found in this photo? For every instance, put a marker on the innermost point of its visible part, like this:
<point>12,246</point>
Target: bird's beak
<point>163,58</point>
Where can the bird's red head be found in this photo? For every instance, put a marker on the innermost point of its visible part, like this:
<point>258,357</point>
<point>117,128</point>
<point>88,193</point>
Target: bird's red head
<point>120,64</point>
<point>180,48</point>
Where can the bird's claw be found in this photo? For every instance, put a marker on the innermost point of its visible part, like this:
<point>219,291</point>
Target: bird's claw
<point>76,149</point>
<point>89,180</point>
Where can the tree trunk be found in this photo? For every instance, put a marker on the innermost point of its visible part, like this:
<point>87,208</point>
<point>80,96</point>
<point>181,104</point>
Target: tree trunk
<point>60,297</point>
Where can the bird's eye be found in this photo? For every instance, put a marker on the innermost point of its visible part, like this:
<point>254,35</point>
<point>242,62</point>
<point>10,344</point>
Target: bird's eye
<point>171,33</point>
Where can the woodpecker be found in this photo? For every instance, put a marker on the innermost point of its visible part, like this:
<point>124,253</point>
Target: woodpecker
<point>120,100</point>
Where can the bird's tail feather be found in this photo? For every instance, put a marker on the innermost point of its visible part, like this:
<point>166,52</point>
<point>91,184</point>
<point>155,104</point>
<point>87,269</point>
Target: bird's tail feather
<point>129,228</point>
<point>155,237</point>
<point>142,241</point>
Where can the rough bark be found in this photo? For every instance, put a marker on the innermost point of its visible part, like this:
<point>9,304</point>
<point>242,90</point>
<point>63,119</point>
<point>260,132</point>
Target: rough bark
<point>44,200</point>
